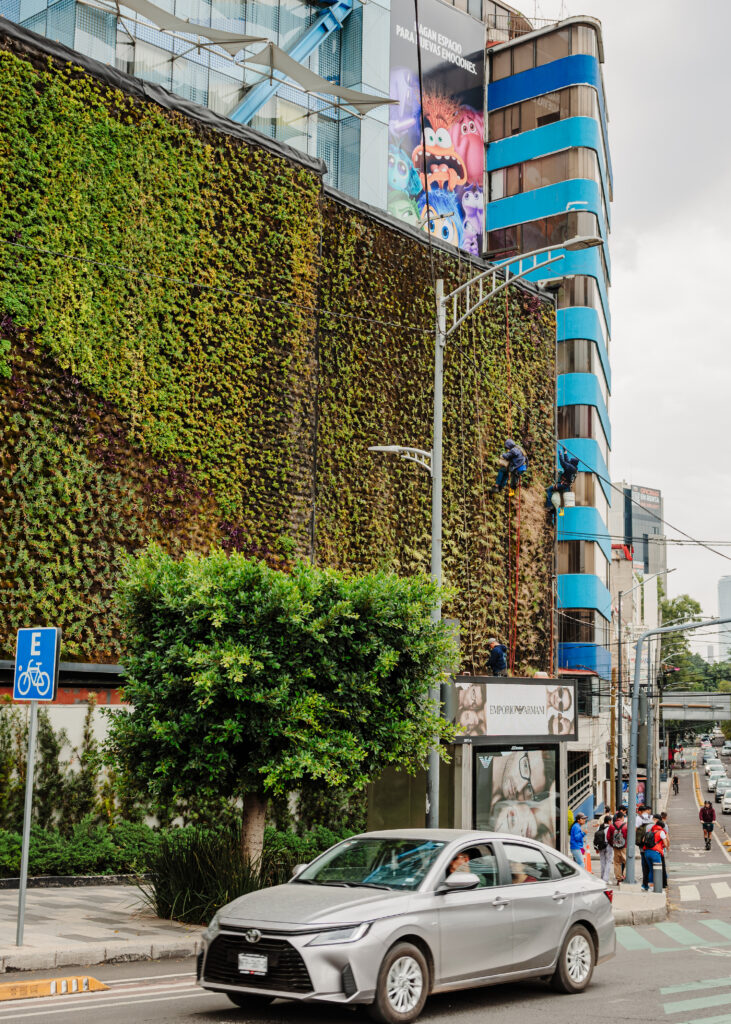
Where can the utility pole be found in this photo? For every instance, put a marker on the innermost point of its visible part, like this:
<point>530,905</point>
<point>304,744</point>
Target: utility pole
<point>632,795</point>
<point>620,724</point>
<point>649,782</point>
<point>613,736</point>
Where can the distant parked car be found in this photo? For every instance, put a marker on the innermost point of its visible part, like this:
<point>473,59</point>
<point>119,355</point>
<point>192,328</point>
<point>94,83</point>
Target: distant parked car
<point>721,786</point>
<point>726,802</point>
<point>715,776</point>
<point>386,918</point>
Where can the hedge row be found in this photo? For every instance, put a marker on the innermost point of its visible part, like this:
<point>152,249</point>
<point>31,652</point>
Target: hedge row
<point>132,848</point>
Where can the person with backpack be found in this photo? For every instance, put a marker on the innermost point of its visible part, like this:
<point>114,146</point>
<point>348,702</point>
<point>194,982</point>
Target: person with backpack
<point>653,846</point>
<point>707,816</point>
<point>617,839</point>
<point>605,851</point>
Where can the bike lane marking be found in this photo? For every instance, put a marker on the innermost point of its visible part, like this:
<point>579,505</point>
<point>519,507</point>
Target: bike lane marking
<point>705,1003</point>
<point>722,927</point>
<point>694,986</point>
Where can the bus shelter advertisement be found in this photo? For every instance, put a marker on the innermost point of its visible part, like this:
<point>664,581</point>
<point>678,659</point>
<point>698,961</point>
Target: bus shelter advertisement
<point>515,791</point>
<point>449,162</point>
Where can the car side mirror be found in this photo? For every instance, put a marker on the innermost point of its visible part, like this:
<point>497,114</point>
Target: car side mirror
<point>459,881</point>
<point>298,868</point>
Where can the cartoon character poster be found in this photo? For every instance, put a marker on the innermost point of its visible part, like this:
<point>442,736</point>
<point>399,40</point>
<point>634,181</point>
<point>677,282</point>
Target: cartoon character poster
<point>450,162</point>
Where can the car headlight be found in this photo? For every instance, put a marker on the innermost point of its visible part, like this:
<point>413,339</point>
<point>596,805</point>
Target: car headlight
<point>213,928</point>
<point>335,935</point>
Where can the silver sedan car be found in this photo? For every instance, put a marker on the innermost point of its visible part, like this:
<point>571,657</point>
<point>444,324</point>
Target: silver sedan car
<point>386,918</point>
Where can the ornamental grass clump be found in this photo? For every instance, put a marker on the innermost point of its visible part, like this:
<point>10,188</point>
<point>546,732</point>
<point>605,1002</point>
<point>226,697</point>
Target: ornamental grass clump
<point>194,871</point>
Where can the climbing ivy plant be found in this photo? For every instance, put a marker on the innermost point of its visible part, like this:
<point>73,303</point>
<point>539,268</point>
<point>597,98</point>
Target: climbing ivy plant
<point>197,346</point>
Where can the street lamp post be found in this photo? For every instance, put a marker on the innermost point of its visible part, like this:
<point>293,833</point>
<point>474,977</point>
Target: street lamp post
<point>464,301</point>
<point>620,725</point>
<point>634,734</point>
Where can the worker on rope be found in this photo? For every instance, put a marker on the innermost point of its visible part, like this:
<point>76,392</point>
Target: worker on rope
<point>569,470</point>
<point>498,663</point>
<point>513,463</point>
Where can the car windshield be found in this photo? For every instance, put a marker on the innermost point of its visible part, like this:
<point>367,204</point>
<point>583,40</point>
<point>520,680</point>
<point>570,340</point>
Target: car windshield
<point>372,862</point>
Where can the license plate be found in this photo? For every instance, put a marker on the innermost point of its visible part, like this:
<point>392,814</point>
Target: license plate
<point>250,963</point>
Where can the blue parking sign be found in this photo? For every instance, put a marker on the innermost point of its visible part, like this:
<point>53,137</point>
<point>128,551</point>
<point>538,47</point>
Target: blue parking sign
<point>37,652</point>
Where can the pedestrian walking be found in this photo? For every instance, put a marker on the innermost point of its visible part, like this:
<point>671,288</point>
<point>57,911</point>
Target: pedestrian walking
<point>617,839</point>
<point>653,846</point>
<point>664,816</point>
<point>576,838</point>
<point>605,851</point>
<point>498,663</point>
<point>707,817</point>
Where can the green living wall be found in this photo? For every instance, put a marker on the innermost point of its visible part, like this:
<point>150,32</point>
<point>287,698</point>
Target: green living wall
<point>197,345</point>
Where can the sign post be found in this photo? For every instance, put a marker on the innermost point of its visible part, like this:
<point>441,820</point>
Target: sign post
<point>37,654</point>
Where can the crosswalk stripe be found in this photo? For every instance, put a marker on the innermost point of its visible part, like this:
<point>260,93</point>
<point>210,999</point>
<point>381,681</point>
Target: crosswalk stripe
<point>721,889</point>
<point>722,927</point>
<point>682,935</point>
<point>724,1018</point>
<point>697,1004</point>
<point>688,892</point>
<point>693,986</point>
<point>631,939</point>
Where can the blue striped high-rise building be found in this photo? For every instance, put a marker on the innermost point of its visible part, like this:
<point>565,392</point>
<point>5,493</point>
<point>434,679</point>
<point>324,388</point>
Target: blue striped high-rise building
<point>550,179</point>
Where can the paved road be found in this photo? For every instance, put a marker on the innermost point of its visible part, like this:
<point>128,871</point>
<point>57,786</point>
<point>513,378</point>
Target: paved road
<point>678,971</point>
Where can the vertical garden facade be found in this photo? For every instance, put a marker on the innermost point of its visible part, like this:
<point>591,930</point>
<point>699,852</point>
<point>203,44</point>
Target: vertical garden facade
<point>198,343</point>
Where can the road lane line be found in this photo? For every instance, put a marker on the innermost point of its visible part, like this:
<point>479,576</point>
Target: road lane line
<point>688,892</point>
<point>107,1006</point>
<point>151,977</point>
<point>721,889</point>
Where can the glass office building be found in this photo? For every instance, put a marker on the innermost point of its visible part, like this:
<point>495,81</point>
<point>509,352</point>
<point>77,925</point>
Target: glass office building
<point>546,176</point>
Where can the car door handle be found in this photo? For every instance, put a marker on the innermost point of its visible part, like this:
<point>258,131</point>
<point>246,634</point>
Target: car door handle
<point>500,902</point>
<point>559,897</point>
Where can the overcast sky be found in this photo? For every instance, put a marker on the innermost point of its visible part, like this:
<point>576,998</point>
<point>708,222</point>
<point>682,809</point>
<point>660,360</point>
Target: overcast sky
<point>667,76</point>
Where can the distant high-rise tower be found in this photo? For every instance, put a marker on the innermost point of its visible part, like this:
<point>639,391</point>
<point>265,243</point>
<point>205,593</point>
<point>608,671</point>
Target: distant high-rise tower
<point>724,612</point>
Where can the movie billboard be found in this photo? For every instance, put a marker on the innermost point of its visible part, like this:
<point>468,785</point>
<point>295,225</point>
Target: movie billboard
<point>450,163</point>
<point>515,791</point>
<point>524,710</point>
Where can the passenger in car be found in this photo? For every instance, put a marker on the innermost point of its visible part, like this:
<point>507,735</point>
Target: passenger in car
<point>519,874</point>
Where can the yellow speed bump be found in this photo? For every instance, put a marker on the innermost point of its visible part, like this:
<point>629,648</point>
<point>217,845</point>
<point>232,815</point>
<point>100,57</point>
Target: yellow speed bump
<point>50,987</point>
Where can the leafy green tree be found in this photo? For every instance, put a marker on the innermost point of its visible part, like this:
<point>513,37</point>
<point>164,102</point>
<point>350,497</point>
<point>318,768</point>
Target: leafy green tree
<point>50,775</point>
<point>82,784</point>
<point>246,681</point>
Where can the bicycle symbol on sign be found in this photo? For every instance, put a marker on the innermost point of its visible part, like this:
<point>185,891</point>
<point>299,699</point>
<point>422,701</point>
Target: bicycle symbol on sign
<point>34,678</point>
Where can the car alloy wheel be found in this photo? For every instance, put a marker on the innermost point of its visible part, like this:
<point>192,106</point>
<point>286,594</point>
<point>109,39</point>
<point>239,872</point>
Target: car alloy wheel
<point>404,984</point>
<point>575,962</point>
<point>578,959</point>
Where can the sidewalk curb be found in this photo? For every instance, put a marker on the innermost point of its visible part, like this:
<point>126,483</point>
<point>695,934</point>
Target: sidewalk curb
<point>638,917</point>
<point>121,951</point>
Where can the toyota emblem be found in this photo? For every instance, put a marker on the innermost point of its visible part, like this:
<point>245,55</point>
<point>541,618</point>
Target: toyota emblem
<point>252,935</point>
